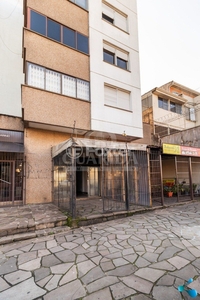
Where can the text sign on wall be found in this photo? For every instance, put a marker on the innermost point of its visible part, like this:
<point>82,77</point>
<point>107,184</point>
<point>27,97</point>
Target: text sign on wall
<point>180,150</point>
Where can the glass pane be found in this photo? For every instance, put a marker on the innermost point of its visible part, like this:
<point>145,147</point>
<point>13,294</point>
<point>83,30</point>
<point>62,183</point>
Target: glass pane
<point>53,30</point>
<point>107,18</point>
<point>36,76</point>
<point>69,37</point>
<point>121,63</point>
<point>83,89</point>
<point>108,56</point>
<point>69,86</point>
<point>82,43</point>
<point>82,3</point>
<point>38,23</point>
<point>52,81</point>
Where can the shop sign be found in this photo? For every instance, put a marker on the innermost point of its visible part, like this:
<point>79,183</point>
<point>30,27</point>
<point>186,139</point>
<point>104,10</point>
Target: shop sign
<point>180,150</point>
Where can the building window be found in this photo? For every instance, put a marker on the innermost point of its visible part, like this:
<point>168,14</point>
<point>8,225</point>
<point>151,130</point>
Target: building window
<point>56,82</point>
<point>116,97</point>
<point>190,113</point>
<point>176,108</point>
<point>162,103</point>
<point>58,32</point>
<point>115,56</point>
<point>114,16</point>
<point>81,3</point>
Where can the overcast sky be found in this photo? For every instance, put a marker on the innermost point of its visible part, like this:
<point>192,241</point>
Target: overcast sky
<point>169,42</point>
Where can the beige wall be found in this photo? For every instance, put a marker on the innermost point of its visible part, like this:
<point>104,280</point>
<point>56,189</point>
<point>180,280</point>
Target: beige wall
<point>63,12</point>
<point>53,55</point>
<point>11,123</point>
<point>50,108</point>
<point>38,145</point>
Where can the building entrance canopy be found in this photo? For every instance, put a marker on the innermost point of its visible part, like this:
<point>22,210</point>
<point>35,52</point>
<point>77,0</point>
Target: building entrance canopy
<point>99,144</point>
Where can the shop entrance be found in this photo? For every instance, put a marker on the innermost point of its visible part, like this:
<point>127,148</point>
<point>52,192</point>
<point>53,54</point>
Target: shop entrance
<point>6,180</point>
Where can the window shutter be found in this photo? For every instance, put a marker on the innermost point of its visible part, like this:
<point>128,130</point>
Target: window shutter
<point>123,99</point>
<point>122,54</point>
<point>192,114</point>
<point>110,95</point>
<point>108,11</point>
<point>120,21</point>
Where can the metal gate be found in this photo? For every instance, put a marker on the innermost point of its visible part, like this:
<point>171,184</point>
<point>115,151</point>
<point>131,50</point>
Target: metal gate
<point>11,179</point>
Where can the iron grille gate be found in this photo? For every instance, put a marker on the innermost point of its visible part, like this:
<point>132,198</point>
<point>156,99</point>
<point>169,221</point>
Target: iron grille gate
<point>11,178</point>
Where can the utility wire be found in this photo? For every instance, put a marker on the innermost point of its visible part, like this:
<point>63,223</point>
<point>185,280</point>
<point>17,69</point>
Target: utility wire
<point>11,12</point>
<point>9,48</point>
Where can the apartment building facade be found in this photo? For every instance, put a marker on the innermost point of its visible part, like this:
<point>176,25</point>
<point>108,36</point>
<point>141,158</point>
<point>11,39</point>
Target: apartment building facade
<point>79,73</point>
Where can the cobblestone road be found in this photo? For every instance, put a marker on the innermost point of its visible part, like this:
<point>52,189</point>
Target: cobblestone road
<point>142,257</point>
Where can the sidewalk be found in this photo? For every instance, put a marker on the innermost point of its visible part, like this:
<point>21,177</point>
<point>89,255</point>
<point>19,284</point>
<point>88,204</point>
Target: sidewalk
<point>141,257</point>
<point>30,221</point>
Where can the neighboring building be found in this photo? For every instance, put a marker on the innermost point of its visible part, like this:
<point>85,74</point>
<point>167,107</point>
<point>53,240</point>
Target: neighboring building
<point>170,108</point>
<point>11,125</point>
<point>81,67</point>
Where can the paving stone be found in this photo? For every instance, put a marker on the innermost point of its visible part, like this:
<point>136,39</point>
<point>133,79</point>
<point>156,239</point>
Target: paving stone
<point>17,276</point>
<point>84,267</point>
<point>25,257</point>
<point>166,280</point>
<point>177,244</point>
<point>72,290</point>
<point>194,251</point>
<point>53,282</point>
<point>13,253</point>
<point>66,256</point>
<point>26,248</point>
<point>69,276</point>
<point>149,274</point>
<point>9,266</point>
<point>61,268</point>
<point>101,283</point>
<point>163,265</point>
<point>187,255</point>
<point>96,259</point>
<point>178,262</point>
<point>51,244</point>
<point>81,258</point>
<point>120,291</point>
<point>131,258</point>
<point>141,262</point>
<point>139,297</point>
<point>122,271</point>
<point>120,262</point>
<point>168,253</point>
<point>151,257</point>
<point>108,265</point>
<point>100,295</point>
<point>50,260</point>
<point>166,293</point>
<point>3,285</point>
<point>39,246</point>
<point>195,285</point>
<point>69,245</point>
<point>44,281</point>
<point>21,290</point>
<point>137,284</point>
<point>43,252</point>
<point>184,272</point>
<point>41,273</point>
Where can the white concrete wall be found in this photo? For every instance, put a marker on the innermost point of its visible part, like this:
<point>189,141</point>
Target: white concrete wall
<point>164,117</point>
<point>11,63</point>
<point>104,118</point>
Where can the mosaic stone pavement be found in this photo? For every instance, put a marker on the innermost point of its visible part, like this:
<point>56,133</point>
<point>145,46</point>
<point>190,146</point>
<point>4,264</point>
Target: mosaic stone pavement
<point>145,256</point>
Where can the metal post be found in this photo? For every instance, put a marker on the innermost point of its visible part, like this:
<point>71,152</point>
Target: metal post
<point>176,170</point>
<point>149,176</point>
<point>127,182</point>
<point>73,182</point>
<point>190,178</point>
<point>161,179</point>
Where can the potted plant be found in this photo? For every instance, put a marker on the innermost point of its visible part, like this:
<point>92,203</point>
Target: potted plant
<point>168,189</point>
